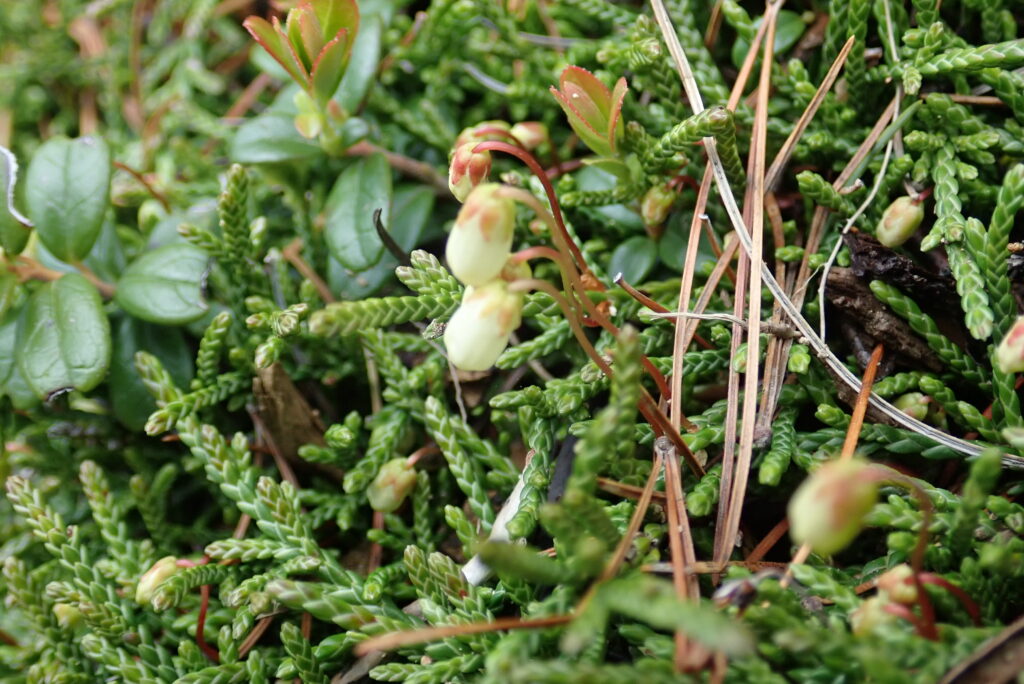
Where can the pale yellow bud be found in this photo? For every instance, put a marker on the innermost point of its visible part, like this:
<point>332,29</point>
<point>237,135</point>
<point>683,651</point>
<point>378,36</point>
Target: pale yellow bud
<point>530,134</point>
<point>914,404</point>
<point>393,483</point>
<point>481,239</point>
<point>900,220</point>
<point>479,330</point>
<point>154,577</point>
<point>656,204</point>
<point>68,616</point>
<point>1010,352</point>
<point>870,615</point>
<point>827,510</point>
<point>898,584</point>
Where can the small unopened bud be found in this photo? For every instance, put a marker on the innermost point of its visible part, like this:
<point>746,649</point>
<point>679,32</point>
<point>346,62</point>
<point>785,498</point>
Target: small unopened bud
<point>154,577</point>
<point>827,510</point>
<point>898,585</point>
<point>482,236</point>
<point>485,130</point>
<point>393,483</point>
<point>1010,352</point>
<point>656,204</point>
<point>900,220</point>
<point>870,615</point>
<point>68,616</point>
<point>467,170</point>
<point>914,404</point>
<point>479,330</point>
<point>530,134</point>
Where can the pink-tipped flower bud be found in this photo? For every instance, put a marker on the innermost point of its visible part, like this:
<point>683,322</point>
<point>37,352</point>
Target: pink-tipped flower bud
<point>479,330</point>
<point>393,483</point>
<point>914,404</point>
<point>467,170</point>
<point>900,220</point>
<point>485,130</point>
<point>870,615</point>
<point>1010,352</point>
<point>898,584</point>
<point>530,134</point>
<point>481,240</point>
<point>154,577</point>
<point>656,204</point>
<point>827,510</point>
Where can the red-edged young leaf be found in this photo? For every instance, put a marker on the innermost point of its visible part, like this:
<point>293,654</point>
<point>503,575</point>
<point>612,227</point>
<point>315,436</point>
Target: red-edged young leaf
<point>591,137</point>
<point>305,34</point>
<point>329,66</point>
<point>589,106</point>
<point>273,39</point>
<point>615,115</point>
<point>335,15</point>
<point>576,79</point>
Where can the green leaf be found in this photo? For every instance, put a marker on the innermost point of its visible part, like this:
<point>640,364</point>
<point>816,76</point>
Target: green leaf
<point>107,259</point>
<point>363,187</point>
<point>64,337</point>
<point>165,285</point>
<point>129,398</point>
<point>269,138</point>
<point>15,227</point>
<point>11,292</point>
<point>634,259</point>
<point>67,189</point>
<point>362,66</point>
<point>788,29</point>
<point>411,210</point>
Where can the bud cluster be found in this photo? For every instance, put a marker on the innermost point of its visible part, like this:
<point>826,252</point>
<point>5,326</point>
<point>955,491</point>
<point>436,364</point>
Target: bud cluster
<point>478,252</point>
<point>468,169</point>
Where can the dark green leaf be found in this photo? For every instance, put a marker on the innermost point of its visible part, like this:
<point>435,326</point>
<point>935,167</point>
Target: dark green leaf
<point>67,190</point>
<point>129,398</point>
<point>271,137</point>
<point>64,337</point>
<point>412,208</point>
<point>362,66</point>
<point>634,259</point>
<point>107,259</point>
<point>788,29</point>
<point>11,292</point>
<point>15,227</point>
<point>165,285</point>
<point>362,188</point>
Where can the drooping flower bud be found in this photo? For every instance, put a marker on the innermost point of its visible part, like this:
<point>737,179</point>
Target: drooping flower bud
<point>479,330</point>
<point>530,134</point>
<point>656,204</point>
<point>467,170</point>
<point>870,615</point>
<point>1010,352</point>
<point>898,584</point>
<point>900,220</point>
<point>485,130</point>
<point>393,483</point>
<point>481,240</point>
<point>828,509</point>
<point>914,404</point>
<point>154,577</point>
<point>68,616</point>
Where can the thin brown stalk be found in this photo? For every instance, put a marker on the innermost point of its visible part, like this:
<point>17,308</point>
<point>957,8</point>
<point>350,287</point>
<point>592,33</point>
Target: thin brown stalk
<point>393,640</point>
<point>292,253</point>
<point>407,165</point>
<point>725,537</point>
<point>157,195</point>
<point>786,151</point>
<point>644,502</point>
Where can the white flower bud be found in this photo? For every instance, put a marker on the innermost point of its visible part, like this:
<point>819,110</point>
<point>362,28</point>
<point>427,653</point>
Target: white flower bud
<point>870,615</point>
<point>479,330</point>
<point>899,222</point>
<point>828,509</point>
<point>394,481</point>
<point>482,236</point>
<point>1010,352</point>
<point>898,584</point>
<point>154,577</point>
<point>531,134</point>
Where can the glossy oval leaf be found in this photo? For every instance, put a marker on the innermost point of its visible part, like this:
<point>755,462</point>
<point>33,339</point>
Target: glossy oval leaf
<point>165,285</point>
<point>64,337</point>
<point>15,227</point>
<point>362,188</point>
<point>362,66</point>
<point>129,398</point>
<point>788,29</point>
<point>271,138</point>
<point>634,259</point>
<point>67,191</point>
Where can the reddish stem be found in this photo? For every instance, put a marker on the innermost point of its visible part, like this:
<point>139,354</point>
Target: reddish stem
<point>968,603</point>
<point>535,167</point>
<point>204,606</point>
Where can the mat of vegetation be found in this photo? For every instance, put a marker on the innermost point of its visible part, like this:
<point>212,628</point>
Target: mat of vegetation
<point>511,341</point>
